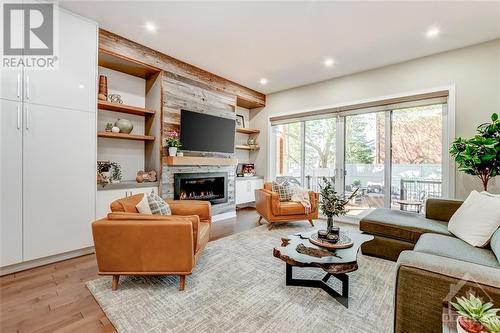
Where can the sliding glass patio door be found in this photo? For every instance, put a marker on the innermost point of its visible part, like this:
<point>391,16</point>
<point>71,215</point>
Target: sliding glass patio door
<point>392,156</point>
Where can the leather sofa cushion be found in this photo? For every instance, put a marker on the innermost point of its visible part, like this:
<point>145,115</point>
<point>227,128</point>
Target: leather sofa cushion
<point>401,225</point>
<point>455,248</point>
<point>291,208</point>
<point>128,204</point>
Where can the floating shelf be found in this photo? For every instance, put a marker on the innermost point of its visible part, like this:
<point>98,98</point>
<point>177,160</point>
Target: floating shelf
<point>244,147</point>
<point>249,103</point>
<point>126,65</point>
<point>112,135</point>
<point>116,107</point>
<point>247,130</point>
<point>198,160</point>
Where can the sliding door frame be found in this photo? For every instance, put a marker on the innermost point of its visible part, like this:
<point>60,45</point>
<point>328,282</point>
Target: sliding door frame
<point>448,135</point>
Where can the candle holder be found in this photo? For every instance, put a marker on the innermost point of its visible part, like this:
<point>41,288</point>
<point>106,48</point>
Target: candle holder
<point>333,234</point>
<point>322,234</point>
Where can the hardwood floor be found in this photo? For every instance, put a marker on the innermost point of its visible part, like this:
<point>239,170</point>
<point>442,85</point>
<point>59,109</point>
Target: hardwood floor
<point>54,298</point>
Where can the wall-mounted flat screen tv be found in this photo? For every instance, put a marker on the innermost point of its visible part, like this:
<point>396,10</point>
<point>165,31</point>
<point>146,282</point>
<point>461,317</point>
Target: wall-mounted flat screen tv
<point>203,132</point>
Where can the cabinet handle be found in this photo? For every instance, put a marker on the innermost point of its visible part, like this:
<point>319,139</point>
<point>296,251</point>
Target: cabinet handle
<point>18,85</point>
<point>27,87</point>
<point>27,116</point>
<point>18,116</point>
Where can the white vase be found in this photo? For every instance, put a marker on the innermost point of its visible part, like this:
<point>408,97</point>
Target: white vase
<point>172,151</point>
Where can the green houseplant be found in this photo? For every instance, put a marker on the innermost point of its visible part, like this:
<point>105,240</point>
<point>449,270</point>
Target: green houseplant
<point>474,315</point>
<point>116,172</point>
<point>480,156</point>
<point>331,203</point>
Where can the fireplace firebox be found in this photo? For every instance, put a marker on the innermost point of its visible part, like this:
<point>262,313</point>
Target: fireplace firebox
<point>201,186</point>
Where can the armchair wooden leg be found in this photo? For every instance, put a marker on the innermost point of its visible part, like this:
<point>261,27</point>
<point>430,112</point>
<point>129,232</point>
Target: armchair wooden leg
<point>260,219</point>
<point>114,284</point>
<point>269,225</point>
<point>182,282</point>
<point>311,221</point>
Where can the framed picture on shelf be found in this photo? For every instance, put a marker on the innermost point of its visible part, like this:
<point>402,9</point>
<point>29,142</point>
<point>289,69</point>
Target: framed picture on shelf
<point>240,121</point>
<point>245,170</point>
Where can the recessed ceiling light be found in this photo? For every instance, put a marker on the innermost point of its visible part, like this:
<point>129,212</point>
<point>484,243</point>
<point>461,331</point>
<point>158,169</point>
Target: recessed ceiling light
<point>150,27</point>
<point>263,81</point>
<point>432,32</point>
<point>329,62</point>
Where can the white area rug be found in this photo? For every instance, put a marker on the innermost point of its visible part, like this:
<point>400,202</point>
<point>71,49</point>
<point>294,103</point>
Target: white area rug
<point>238,286</point>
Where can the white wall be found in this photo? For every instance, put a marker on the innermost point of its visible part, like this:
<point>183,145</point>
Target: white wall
<point>474,70</point>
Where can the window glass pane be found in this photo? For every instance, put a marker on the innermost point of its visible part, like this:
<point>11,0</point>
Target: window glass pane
<point>416,156</point>
<point>287,140</point>
<point>320,142</point>
<point>364,161</point>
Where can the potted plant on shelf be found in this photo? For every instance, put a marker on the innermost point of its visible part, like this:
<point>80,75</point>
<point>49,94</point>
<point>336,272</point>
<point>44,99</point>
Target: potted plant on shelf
<point>116,172</point>
<point>474,316</point>
<point>173,142</point>
<point>108,127</point>
<point>480,155</point>
<point>331,203</point>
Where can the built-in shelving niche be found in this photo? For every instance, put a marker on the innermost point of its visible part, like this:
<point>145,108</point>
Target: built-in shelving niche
<point>140,149</point>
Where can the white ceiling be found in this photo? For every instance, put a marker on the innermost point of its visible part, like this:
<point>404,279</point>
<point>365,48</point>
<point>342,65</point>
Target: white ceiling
<point>287,42</point>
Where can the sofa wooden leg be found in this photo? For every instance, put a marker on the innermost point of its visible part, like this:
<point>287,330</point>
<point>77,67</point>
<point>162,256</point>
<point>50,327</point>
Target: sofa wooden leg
<point>182,282</point>
<point>311,221</point>
<point>260,220</point>
<point>114,284</point>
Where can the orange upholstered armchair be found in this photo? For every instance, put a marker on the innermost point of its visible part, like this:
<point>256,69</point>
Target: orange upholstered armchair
<point>129,243</point>
<point>270,208</point>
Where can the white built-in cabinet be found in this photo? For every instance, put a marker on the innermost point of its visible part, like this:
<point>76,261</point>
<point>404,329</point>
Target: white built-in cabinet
<point>245,189</point>
<point>48,150</point>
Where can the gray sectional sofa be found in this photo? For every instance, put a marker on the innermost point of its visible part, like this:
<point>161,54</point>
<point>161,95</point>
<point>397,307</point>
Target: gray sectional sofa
<point>433,266</point>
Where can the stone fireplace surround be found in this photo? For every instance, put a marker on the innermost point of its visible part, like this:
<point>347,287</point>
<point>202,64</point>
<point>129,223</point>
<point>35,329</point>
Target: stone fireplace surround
<point>168,183</point>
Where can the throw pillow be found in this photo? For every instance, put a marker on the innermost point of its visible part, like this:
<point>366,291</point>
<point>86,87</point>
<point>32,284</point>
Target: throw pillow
<point>477,219</point>
<point>157,205</point>
<point>143,206</point>
<point>495,244</point>
<point>284,190</point>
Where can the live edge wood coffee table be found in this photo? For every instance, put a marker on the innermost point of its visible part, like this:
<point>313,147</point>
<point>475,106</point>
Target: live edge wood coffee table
<point>296,250</point>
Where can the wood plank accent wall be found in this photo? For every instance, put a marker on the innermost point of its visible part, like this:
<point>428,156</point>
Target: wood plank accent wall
<point>116,44</point>
<point>184,86</point>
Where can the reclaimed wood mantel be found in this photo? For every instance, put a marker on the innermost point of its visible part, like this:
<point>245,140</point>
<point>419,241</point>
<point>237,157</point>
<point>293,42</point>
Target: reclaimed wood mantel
<point>198,160</point>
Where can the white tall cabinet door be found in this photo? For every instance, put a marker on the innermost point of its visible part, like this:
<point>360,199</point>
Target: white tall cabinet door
<point>73,84</point>
<point>59,180</point>
<point>11,143</point>
<point>11,79</point>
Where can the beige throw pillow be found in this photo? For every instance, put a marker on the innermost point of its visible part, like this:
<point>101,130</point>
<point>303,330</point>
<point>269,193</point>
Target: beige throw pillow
<point>477,219</point>
<point>143,206</point>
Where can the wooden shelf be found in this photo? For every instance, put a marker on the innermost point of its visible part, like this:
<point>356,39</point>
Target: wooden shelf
<point>126,65</point>
<point>250,103</point>
<point>116,107</point>
<point>244,147</point>
<point>198,160</point>
<point>247,130</point>
<point>112,135</point>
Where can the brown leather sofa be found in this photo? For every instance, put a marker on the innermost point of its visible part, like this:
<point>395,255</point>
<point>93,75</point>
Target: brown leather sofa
<point>270,208</point>
<point>129,243</point>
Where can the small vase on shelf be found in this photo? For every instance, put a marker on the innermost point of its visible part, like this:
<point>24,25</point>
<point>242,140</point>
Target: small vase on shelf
<point>172,151</point>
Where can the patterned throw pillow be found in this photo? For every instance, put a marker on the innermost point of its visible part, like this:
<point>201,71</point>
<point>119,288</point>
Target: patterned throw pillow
<point>284,190</point>
<point>157,205</point>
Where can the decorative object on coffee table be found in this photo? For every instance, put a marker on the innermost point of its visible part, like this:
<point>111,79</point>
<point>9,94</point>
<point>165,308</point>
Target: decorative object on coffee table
<point>331,203</point>
<point>172,142</point>
<point>343,241</point>
<point>103,88</point>
<point>124,125</point>
<point>479,156</point>
<point>297,250</point>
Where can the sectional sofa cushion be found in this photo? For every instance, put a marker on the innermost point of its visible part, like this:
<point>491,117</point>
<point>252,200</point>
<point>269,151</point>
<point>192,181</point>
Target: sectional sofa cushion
<point>477,219</point>
<point>400,225</point>
<point>495,244</point>
<point>454,248</point>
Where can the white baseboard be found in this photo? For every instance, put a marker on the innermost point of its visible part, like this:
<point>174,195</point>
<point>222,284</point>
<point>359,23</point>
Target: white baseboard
<point>224,216</point>
<point>44,261</point>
